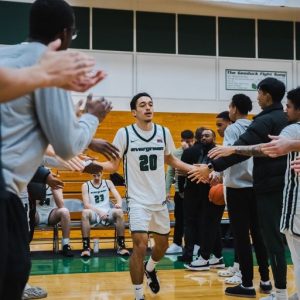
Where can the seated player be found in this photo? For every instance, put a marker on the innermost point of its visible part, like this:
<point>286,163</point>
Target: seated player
<point>51,211</point>
<point>97,210</point>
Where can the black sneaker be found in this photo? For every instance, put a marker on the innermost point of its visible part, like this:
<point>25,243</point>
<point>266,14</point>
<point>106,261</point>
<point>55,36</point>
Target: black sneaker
<point>265,288</point>
<point>67,251</point>
<point>240,291</point>
<point>152,280</point>
<point>185,258</point>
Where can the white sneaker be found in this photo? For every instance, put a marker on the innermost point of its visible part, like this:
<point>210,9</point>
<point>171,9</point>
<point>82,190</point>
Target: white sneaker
<point>230,271</point>
<point>216,263</point>
<point>174,249</point>
<point>33,292</point>
<point>200,264</point>
<point>269,297</point>
<point>196,249</point>
<point>235,279</point>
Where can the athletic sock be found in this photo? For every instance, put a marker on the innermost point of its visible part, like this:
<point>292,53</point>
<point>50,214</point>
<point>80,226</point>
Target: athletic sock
<point>265,282</point>
<point>138,291</point>
<point>281,294</point>
<point>65,241</point>
<point>236,266</point>
<point>151,264</point>
<point>86,242</point>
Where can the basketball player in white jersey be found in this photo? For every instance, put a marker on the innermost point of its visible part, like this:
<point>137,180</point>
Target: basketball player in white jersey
<point>51,211</point>
<point>145,148</point>
<point>97,210</point>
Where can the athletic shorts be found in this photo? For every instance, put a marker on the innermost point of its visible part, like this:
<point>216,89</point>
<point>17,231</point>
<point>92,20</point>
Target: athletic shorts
<point>95,220</point>
<point>44,215</point>
<point>143,219</point>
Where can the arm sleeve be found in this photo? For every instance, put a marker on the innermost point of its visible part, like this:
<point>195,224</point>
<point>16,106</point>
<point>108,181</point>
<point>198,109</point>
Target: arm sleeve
<point>291,132</point>
<point>256,133</point>
<point>55,111</point>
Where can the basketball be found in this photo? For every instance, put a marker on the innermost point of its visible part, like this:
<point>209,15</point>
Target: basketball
<point>216,194</point>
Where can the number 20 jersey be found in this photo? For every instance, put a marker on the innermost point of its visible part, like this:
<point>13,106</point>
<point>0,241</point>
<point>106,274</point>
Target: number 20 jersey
<point>144,165</point>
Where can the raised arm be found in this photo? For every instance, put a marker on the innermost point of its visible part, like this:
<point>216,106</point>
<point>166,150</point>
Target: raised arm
<point>63,69</point>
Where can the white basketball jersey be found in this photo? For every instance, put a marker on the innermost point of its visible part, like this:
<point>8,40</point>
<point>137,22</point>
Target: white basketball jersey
<point>144,165</point>
<point>99,196</point>
<point>48,202</point>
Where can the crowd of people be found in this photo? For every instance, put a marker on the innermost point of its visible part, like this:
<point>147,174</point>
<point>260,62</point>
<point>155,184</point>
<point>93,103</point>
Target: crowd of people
<point>261,192</point>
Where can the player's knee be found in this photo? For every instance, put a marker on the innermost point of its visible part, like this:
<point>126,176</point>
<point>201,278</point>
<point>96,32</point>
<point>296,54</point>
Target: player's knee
<point>140,247</point>
<point>64,212</point>
<point>85,214</point>
<point>119,213</point>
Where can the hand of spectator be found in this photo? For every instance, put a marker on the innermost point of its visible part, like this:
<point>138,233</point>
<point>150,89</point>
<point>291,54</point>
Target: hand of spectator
<point>295,164</point>
<point>221,151</point>
<point>74,164</point>
<point>277,147</point>
<point>168,197</point>
<point>99,108</point>
<point>199,173</point>
<point>54,182</point>
<point>181,195</point>
<point>68,69</point>
<point>118,205</point>
<point>105,148</point>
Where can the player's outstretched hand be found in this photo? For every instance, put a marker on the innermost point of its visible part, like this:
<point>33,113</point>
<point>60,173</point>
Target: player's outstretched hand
<point>99,108</point>
<point>277,147</point>
<point>70,70</point>
<point>105,148</point>
<point>54,182</point>
<point>220,151</point>
<point>199,173</point>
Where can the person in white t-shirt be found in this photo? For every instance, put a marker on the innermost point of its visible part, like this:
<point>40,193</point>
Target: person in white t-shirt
<point>97,210</point>
<point>145,147</point>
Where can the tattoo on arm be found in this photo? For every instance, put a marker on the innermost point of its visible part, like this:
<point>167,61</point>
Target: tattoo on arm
<point>250,151</point>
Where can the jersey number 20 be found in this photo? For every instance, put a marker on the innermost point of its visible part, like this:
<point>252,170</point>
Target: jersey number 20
<point>148,162</point>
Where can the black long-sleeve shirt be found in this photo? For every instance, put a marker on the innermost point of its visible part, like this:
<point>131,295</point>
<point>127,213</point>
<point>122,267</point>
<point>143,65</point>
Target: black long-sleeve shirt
<point>268,173</point>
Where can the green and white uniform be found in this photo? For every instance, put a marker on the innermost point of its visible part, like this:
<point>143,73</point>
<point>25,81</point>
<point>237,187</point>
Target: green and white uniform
<point>99,198</point>
<point>45,206</point>
<point>143,157</point>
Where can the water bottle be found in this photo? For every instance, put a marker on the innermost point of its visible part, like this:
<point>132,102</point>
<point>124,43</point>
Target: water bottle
<point>96,245</point>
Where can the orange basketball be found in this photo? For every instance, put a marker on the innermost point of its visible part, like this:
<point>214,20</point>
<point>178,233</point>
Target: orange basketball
<point>216,194</point>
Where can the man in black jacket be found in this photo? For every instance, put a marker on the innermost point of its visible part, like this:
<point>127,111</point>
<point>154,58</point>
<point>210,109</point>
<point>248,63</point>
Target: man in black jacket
<point>191,204</point>
<point>268,174</point>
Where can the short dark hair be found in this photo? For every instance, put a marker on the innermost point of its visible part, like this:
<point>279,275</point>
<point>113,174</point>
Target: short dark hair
<point>274,87</point>
<point>187,134</point>
<point>242,102</point>
<point>224,115</point>
<point>49,18</point>
<point>136,98</point>
<point>198,133</point>
<point>294,97</point>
